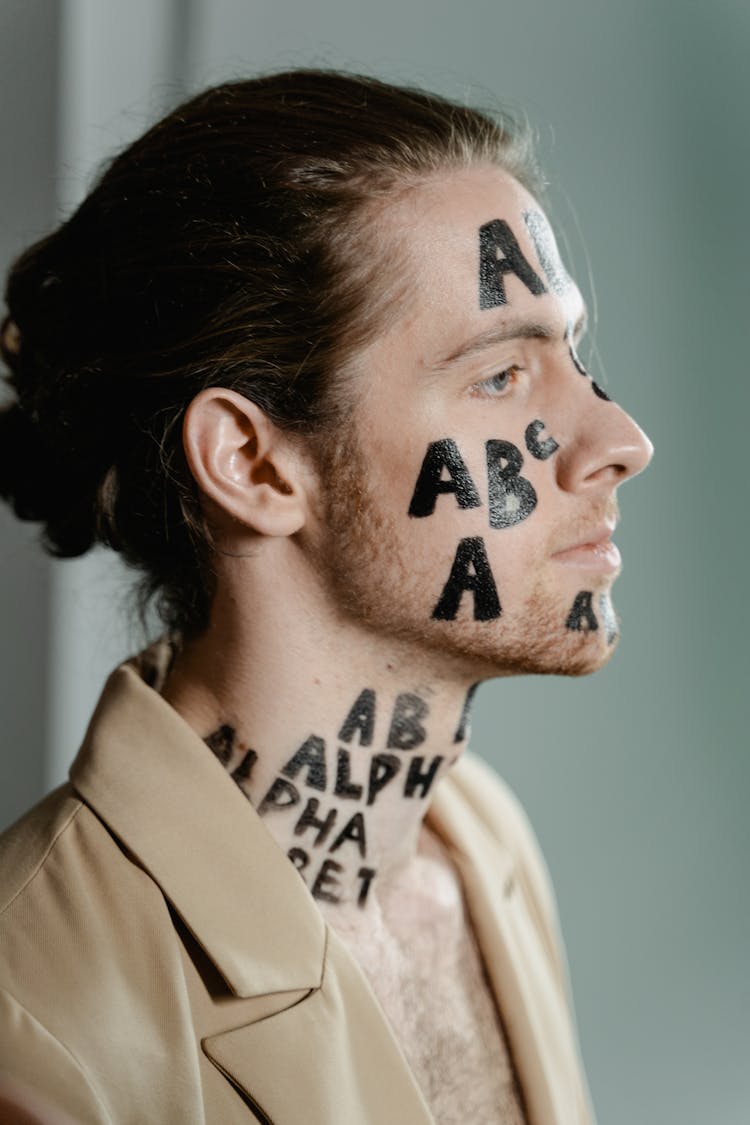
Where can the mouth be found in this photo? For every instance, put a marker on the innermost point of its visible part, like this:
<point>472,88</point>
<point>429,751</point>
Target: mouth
<point>596,553</point>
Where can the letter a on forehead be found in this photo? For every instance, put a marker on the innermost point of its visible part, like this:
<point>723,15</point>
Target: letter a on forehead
<point>499,253</point>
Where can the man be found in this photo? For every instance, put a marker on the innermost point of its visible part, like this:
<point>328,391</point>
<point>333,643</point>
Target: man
<point>349,920</point>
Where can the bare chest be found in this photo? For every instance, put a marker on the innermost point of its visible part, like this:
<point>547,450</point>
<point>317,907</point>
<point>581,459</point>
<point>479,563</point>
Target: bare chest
<point>427,973</point>
<point>445,1019</point>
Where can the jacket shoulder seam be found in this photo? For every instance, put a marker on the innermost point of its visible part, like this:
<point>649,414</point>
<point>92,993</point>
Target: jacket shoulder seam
<point>43,858</point>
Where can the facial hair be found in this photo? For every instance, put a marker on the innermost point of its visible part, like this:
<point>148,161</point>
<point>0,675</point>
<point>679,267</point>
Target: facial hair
<point>366,565</point>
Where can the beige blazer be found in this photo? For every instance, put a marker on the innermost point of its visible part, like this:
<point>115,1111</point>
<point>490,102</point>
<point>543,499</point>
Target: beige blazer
<point>162,961</point>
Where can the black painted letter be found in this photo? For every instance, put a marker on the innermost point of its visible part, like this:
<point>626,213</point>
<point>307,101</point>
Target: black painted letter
<point>383,768</point>
<point>274,798</point>
<point>499,253</point>
<point>345,787</point>
<point>539,449</point>
<point>442,455</point>
<point>582,618</point>
<point>353,830</point>
<point>324,876</point>
<point>361,718</point>
<point>406,728</point>
<point>312,754</point>
<point>308,819</point>
<point>418,778</point>
<point>470,553</point>
<point>463,722</point>
<point>512,497</point>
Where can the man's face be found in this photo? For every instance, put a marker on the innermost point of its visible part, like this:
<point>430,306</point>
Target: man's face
<point>471,510</point>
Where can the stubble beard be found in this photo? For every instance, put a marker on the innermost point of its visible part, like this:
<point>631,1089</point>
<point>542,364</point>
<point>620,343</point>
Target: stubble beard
<point>366,568</point>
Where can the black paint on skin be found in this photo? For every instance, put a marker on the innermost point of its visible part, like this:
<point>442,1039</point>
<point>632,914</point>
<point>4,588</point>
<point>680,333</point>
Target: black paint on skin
<point>579,366</point>
<point>582,618</point>
<point>577,363</point>
<point>470,571</point>
<point>353,830</point>
<point>361,718</point>
<point>406,728</point>
<point>541,235</point>
<point>245,768</point>
<point>499,253</point>
<point>419,778</point>
<point>221,743</point>
<point>558,278</point>
<point>539,449</point>
<point>324,877</point>
<point>512,497</point>
<point>308,819</point>
<point>609,619</point>
<point>463,722</point>
<point>281,795</point>
<point>383,768</point>
<point>311,755</point>
<point>300,859</point>
<point>366,874</point>
<point>442,455</point>
<point>345,787</point>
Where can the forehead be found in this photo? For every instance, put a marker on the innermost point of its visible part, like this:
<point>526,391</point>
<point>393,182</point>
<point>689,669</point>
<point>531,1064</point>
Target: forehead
<point>442,229</point>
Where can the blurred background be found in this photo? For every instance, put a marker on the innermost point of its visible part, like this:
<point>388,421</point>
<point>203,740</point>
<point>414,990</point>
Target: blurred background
<point>637,779</point>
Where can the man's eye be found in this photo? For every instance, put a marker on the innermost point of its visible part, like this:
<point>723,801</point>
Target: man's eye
<point>497,384</point>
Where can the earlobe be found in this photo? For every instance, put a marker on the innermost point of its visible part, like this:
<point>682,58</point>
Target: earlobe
<point>246,467</point>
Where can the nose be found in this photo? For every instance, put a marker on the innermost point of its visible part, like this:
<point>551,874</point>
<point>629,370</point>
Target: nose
<point>606,448</point>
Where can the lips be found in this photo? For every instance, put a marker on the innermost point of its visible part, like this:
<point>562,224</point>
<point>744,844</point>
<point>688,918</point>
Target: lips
<point>595,552</point>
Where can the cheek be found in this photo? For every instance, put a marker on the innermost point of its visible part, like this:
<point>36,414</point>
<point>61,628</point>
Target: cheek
<point>495,481</point>
<point>476,516</point>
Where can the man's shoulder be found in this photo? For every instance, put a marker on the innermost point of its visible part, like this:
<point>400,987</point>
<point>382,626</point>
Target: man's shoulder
<point>27,844</point>
<point>65,883</point>
<point>82,927</point>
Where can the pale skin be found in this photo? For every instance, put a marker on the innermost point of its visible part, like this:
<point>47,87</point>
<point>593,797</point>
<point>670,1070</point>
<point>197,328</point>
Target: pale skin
<point>328,587</point>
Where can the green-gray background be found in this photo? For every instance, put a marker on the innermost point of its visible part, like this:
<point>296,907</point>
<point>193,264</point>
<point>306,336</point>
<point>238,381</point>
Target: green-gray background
<point>637,778</point>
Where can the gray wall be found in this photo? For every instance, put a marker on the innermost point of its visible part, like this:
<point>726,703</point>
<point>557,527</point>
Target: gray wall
<point>29,52</point>
<point>635,779</point>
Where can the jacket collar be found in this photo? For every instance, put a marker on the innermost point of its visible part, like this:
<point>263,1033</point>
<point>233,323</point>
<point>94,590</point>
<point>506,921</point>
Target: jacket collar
<point>242,899</point>
<point>205,846</point>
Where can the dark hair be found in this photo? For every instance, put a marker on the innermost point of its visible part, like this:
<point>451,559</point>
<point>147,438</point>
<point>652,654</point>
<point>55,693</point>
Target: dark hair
<point>227,246</point>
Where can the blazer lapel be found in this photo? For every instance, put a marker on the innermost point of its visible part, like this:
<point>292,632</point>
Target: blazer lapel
<point>528,994</point>
<point>309,1041</point>
<point>330,1058</point>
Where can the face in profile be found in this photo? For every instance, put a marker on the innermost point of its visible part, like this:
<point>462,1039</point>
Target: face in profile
<point>472,509</point>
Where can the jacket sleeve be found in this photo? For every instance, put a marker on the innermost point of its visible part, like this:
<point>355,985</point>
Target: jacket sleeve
<point>33,1058</point>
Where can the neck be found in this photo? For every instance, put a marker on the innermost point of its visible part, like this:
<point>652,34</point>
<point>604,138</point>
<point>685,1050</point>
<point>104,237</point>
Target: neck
<point>337,740</point>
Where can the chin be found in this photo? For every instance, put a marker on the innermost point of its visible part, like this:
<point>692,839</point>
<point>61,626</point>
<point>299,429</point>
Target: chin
<point>542,649</point>
<point>574,654</point>
<point>588,655</point>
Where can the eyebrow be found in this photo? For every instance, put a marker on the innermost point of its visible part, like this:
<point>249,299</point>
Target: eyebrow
<point>511,330</point>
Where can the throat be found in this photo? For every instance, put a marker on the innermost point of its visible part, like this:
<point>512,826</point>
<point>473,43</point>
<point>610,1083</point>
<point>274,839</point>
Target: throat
<point>344,795</point>
<point>348,816</point>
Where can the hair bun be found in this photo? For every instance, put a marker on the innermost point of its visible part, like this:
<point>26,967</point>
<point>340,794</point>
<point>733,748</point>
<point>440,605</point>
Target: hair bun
<point>41,487</point>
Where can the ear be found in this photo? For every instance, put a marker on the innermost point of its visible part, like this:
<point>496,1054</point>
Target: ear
<point>246,467</point>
